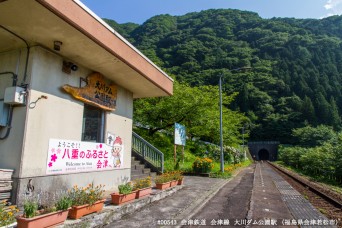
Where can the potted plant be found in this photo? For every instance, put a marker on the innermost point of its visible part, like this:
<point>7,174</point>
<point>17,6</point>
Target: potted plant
<point>163,181</point>
<point>45,217</point>
<point>7,214</point>
<point>177,175</point>
<point>85,200</point>
<point>173,177</point>
<point>124,195</point>
<point>143,187</point>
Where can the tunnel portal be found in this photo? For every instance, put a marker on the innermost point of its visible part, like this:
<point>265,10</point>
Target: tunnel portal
<point>264,150</point>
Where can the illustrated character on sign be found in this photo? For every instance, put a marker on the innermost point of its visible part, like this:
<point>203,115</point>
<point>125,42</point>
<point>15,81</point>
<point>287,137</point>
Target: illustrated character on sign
<point>116,152</point>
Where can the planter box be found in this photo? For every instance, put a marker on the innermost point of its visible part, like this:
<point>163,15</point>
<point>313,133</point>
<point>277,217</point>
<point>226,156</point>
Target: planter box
<point>77,212</point>
<point>143,192</point>
<point>46,220</point>
<point>173,183</point>
<point>163,186</point>
<point>180,182</point>
<point>118,199</point>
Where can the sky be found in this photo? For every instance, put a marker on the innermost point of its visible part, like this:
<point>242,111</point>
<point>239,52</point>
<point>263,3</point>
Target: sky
<point>138,11</point>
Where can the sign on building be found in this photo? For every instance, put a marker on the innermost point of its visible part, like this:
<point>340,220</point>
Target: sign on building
<point>97,92</point>
<point>66,156</point>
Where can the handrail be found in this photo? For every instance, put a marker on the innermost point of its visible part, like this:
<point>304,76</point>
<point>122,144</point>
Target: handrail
<point>148,152</point>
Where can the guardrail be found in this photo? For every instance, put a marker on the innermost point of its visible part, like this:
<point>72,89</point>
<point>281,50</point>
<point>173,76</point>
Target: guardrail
<point>147,152</point>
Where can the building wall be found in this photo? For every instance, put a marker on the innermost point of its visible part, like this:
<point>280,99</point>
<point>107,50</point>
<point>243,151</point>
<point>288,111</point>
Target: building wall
<point>60,116</point>
<point>11,148</point>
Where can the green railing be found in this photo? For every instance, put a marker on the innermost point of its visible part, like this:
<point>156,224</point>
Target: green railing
<point>151,155</point>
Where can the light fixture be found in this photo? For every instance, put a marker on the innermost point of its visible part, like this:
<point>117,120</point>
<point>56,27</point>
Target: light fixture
<point>68,67</point>
<point>57,45</point>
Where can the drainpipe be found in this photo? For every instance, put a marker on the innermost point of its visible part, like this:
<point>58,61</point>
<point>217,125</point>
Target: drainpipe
<point>27,54</point>
<point>15,78</point>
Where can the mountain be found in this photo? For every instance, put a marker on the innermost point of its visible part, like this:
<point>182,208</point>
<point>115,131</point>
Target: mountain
<point>296,75</point>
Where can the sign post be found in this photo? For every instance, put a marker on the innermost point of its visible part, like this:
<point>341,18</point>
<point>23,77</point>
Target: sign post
<point>180,139</point>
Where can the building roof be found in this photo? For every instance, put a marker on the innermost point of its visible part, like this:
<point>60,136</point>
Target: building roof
<point>87,41</point>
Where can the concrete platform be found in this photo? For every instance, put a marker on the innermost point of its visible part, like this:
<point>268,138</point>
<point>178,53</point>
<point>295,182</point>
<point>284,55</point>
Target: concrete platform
<point>264,196</point>
<point>273,199</point>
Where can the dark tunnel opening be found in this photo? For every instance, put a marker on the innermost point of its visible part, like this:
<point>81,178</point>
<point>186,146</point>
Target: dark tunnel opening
<point>264,155</point>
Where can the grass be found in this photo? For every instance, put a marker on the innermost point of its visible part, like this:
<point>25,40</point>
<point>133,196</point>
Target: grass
<point>321,179</point>
<point>169,165</point>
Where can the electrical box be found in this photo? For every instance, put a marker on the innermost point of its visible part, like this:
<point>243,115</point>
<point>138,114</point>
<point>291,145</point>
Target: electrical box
<point>3,114</point>
<point>15,95</point>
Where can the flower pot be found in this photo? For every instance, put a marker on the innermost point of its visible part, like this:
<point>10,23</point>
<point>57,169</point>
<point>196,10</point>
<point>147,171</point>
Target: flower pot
<point>118,199</point>
<point>173,183</point>
<point>163,186</point>
<point>143,192</point>
<point>77,212</point>
<point>45,220</point>
<point>180,182</point>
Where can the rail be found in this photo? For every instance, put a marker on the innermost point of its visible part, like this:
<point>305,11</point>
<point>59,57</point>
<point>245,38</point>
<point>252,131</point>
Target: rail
<point>151,155</point>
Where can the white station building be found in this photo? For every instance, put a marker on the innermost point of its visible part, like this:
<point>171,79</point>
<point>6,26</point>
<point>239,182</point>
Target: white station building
<point>67,84</point>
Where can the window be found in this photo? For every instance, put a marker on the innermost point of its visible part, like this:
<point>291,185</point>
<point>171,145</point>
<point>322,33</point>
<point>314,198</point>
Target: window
<point>93,124</point>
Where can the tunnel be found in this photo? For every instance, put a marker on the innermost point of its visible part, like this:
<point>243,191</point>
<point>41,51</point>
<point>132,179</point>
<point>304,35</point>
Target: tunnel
<point>264,155</point>
<point>264,150</point>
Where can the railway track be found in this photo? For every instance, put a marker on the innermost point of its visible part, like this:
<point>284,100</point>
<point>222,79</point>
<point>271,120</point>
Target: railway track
<point>327,202</point>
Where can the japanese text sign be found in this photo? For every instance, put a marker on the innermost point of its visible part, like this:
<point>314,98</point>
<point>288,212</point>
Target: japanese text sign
<point>65,156</point>
<point>97,92</point>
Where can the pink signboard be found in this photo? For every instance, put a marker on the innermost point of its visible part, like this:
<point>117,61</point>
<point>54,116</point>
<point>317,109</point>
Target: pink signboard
<point>66,156</point>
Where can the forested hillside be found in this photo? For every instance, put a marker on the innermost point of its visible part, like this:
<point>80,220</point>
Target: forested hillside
<point>296,75</point>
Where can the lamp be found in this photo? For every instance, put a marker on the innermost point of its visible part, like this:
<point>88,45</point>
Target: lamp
<point>57,45</point>
<point>68,67</point>
<point>221,128</point>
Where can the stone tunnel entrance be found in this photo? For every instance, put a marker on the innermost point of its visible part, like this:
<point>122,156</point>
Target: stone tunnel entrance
<point>264,150</point>
<point>264,154</point>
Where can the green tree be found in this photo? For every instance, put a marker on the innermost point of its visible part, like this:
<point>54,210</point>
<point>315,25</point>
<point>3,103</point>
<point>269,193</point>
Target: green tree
<point>290,58</point>
<point>335,119</point>
<point>195,107</point>
<point>313,136</point>
<point>308,110</point>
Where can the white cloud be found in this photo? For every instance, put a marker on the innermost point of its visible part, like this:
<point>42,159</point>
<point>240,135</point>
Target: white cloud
<point>334,7</point>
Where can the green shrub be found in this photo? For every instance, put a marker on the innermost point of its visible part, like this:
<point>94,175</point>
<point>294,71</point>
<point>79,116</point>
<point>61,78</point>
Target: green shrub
<point>202,165</point>
<point>63,203</point>
<point>142,183</point>
<point>86,195</point>
<point>30,208</point>
<point>125,188</point>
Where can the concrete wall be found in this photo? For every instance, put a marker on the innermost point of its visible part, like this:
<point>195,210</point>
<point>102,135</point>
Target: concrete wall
<point>256,147</point>
<point>11,148</point>
<point>60,116</point>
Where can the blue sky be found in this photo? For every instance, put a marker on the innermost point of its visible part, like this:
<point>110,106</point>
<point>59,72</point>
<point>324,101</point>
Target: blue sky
<point>138,11</point>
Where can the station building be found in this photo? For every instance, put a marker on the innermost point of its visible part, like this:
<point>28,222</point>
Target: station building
<point>67,84</point>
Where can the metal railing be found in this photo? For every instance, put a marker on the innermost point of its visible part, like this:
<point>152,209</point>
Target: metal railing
<point>147,152</point>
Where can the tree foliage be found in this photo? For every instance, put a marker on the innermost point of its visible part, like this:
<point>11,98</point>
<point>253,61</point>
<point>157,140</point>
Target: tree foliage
<point>323,161</point>
<point>195,107</point>
<point>297,64</point>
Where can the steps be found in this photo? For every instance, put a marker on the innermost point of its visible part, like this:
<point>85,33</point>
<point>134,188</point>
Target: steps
<point>138,170</point>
